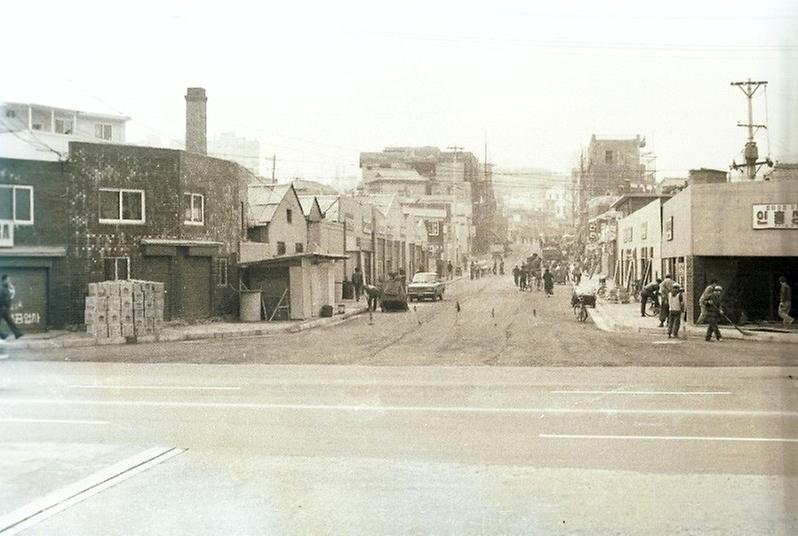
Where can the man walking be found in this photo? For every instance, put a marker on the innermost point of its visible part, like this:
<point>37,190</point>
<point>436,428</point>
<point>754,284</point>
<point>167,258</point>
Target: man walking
<point>450,269</point>
<point>713,308</point>
<point>665,289</point>
<point>516,275</point>
<point>6,295</point>
<point>577,274</point>
<point>357,283</point>
<point>675,308</point>
<point>501,267</point>
<point>649,293</point>
<point>785,301</point>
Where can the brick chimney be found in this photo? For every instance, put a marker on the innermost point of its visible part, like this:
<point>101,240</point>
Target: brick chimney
<point>196,121</point>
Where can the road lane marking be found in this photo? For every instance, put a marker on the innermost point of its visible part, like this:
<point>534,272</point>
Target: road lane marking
<point>366,408</point>
<point>159,387</point>
<point>614,392</point>
<point>52,421</point>
<point>59,500</point>
<point>671,438</point>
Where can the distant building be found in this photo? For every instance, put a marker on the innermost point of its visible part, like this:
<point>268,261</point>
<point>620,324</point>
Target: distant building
<point>615,167</point>
<point>42,132</point>
<point>230,146</point>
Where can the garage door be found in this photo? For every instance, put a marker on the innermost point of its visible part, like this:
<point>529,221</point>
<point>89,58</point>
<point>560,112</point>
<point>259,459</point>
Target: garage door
<point>29,307</point>
<point>158,269</point>
<point>196,296</point>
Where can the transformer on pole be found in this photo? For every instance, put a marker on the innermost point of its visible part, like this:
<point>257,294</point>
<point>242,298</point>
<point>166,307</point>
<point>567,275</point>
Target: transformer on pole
<point>751,152</point>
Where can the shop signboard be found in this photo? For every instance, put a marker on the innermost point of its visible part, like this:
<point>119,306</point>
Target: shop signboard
<point>775,216</point>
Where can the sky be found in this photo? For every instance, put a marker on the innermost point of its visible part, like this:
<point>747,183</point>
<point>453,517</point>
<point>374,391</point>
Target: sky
<point>318,82</point>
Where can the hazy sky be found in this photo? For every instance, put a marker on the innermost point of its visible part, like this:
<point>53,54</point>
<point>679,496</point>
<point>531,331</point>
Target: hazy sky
<point>317,83</point>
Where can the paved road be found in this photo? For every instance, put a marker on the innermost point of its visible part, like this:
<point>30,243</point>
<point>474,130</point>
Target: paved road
<point>496,325</point>
<point>177,441</point>
<point>388,450</point>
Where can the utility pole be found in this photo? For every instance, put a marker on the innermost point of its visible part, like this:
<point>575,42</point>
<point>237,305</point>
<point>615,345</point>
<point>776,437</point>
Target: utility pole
<point>751,153</point>
<point>456,149</point>
<point>274,165</point>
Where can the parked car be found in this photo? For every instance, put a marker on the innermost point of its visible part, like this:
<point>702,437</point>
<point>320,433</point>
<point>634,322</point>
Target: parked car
<point>425,285</point>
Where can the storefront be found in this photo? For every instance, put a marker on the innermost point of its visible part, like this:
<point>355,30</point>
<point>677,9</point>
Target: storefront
<point>743,235</point>
<point>37,274</point>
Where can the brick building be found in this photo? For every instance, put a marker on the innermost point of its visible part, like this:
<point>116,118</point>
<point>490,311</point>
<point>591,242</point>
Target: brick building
<point>155,214</point>
<point>33,240</point>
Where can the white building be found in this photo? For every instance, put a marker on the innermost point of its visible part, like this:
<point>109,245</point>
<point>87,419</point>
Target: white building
<point>40,132</point>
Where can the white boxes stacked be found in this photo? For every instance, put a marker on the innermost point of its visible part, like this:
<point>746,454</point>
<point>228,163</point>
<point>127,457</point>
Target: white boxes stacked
<point>125,310</point>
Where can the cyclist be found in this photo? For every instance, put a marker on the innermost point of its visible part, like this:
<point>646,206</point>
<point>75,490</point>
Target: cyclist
<point>649,292</point>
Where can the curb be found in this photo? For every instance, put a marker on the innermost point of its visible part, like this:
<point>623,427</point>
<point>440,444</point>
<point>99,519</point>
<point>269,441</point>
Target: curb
<point>607,323</point>
<point>176,336</point>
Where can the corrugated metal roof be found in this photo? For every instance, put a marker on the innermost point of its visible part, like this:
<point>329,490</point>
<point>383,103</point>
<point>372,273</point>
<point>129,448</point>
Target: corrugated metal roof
<point>264,200</point>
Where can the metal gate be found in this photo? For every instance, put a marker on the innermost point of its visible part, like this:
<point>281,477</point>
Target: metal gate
<point>29,306</point>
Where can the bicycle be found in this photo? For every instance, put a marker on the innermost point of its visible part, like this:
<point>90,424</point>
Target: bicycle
<point>652,308</point>
<point>580,311</point>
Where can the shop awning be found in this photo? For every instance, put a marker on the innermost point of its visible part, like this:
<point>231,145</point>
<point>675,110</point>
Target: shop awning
<point>33,251</point>
<point>294,260</point>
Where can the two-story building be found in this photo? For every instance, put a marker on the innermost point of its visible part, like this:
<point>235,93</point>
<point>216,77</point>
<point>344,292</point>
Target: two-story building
<point>33,240</point>
<point>156,214</point>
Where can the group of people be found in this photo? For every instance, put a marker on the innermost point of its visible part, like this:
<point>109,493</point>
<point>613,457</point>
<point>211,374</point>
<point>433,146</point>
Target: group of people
<point>480,269</point>
<point>669,295</point>
<point>531,274</point>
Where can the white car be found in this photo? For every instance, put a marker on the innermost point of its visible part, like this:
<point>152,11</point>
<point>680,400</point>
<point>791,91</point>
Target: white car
<point>425,285</point>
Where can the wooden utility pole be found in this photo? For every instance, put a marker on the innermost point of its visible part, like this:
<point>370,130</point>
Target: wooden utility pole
<point>274,165</point>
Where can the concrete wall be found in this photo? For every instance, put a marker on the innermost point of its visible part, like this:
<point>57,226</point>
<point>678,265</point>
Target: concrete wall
<point>723,219</point>
<point>679,207</point>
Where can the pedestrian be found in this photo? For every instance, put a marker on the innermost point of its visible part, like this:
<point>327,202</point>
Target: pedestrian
<point>6,296</point>
<point>501,267</point>
<point>495,267</point>
<point>548,282</point>
<point>785,302</point>
<point>523,275</point>
<point>357,283</point>
<point>577,274</point>
<point>372,295</point>
<point>713,308</point>
<point>675,308</point>
<point>649,292</point>
<point>450,269</point>
<point>471,270</point>
<point>664,291</point>
<point>704,295</point>
<point>516,275</point>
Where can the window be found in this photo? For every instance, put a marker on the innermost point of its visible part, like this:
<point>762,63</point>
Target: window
<point>299,247</point>
<point>433,228</point>
<point>103,131</point>
<point>63,126</point>
<point>117,268</point>
<point>221,272</point>
<point>37,126</point>
<point>11,114</point>
<point>194,207</point>
<point>121,206</point>
<point>16,204</point>
<point>281,248</point>
<point>289,215</point>
<point>608,157</point>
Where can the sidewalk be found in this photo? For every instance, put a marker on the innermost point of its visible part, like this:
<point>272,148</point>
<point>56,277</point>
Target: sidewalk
<point>625,317</point>
<point>173,332</point>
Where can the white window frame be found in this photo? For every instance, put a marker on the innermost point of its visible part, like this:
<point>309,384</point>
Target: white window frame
<point>202,207</point>
<point>102,127</point>
<point>116,266</point>
<point>14,188</point>
<point>435,228</point>
<point>119,220</point>
<point>222,267</point>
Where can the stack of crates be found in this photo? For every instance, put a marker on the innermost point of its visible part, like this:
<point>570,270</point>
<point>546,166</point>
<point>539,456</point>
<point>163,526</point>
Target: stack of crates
<point>125,310</point>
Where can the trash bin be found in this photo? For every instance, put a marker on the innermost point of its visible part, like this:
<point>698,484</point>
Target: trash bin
<point>249,309</point>
<point>326,311</point>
